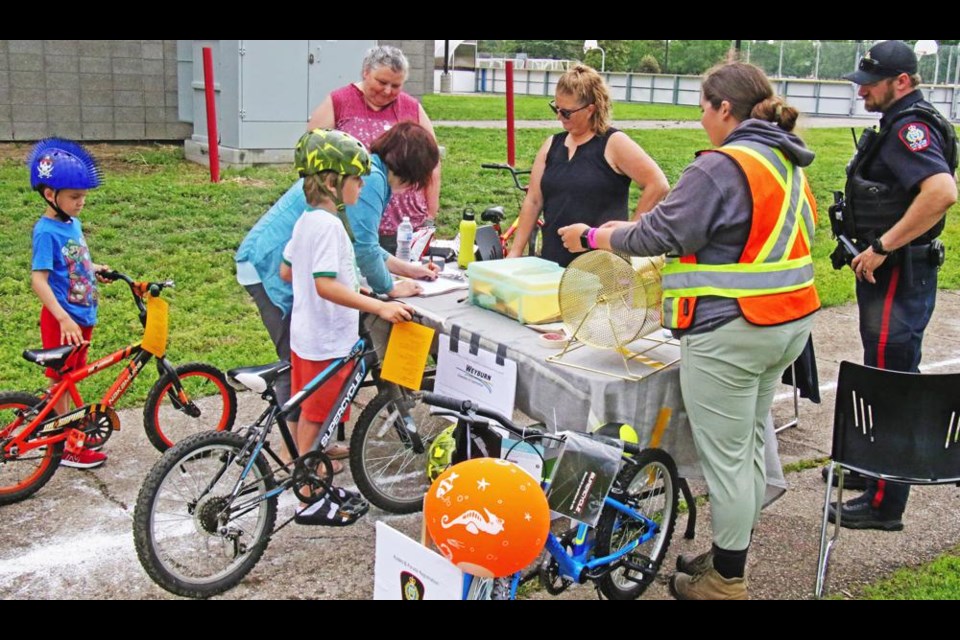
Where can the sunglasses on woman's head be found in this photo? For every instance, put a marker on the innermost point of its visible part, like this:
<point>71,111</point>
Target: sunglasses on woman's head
<point>565,113</point>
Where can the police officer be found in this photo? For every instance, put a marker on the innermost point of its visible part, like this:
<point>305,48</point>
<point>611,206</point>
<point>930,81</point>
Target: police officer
<point>899,186</point>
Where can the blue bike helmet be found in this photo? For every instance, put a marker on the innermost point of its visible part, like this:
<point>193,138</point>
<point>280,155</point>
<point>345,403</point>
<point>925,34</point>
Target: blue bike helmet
<point>62,164</point>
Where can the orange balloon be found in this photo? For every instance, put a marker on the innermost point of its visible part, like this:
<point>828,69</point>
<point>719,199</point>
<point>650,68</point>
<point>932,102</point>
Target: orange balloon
<point>487,516</point>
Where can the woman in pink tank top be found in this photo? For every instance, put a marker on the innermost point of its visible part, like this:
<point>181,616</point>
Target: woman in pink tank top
<point>367,109</point>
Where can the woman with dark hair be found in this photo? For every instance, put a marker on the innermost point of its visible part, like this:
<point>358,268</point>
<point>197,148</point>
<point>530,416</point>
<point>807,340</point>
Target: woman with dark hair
<point>403,158</point>
<point>584,173</point>
<point>367,109</point>
<point>738,290</point>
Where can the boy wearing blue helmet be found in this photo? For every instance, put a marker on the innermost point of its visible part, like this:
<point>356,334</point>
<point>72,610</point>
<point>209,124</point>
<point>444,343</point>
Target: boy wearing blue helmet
<point>63,275</point>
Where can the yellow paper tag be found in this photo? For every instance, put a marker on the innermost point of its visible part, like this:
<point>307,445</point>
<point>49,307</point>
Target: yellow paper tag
<point>155,333</point>
<point>407,352</point>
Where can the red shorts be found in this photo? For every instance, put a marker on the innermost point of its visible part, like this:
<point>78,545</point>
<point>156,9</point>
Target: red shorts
<point>50,335</point>
<point>320,403</point>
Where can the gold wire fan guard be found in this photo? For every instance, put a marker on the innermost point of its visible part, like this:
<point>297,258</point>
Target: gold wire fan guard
<point>609,301</point>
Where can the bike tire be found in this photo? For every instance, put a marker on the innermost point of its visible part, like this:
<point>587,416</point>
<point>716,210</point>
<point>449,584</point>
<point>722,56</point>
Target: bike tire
<point>651,487</point>
<point>386,469</point>
<point>24,475</point>
<point>178,534</point>
<point>489,588</point>
<point>206,388</point>
<point>535,243</point>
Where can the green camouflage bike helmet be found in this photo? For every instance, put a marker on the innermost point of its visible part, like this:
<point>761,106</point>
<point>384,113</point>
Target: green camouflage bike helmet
<point>331,150</point>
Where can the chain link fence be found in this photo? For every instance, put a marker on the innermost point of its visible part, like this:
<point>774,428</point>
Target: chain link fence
<point>824,60</point>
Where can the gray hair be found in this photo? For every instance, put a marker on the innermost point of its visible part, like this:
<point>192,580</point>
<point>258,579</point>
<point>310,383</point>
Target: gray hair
<point>386,56</point>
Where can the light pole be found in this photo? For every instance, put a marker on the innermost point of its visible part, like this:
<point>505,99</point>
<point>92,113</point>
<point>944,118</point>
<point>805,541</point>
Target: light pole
<point>589,45</point>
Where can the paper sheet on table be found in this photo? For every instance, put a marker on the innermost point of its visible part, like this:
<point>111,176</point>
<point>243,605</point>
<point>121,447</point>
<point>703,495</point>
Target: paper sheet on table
<point>407,352</point>
<point>451,280</point>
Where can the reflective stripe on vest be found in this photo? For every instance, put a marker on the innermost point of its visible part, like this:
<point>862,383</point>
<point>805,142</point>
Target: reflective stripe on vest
<point>773,280</point>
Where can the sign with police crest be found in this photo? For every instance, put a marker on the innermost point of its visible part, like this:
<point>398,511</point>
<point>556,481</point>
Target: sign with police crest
<point>915,135</point>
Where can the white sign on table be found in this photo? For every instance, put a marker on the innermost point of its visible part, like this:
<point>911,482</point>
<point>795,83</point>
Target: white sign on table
<point>471,373</point>
<point>404,569</point>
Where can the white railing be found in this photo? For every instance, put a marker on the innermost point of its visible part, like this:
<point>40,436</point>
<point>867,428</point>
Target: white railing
<point>812,97</point>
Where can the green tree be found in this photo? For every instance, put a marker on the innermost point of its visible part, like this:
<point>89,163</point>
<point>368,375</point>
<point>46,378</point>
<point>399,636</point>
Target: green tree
<point>693,57</point>
<point>617,54</point>
<point>648,64</point>
<point>641,49</point>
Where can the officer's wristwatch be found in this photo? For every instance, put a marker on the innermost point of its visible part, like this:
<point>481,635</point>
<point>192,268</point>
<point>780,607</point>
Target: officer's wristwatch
<point>877,247</point>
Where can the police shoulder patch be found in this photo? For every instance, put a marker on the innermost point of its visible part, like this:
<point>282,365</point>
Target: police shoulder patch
<point>915,135</point>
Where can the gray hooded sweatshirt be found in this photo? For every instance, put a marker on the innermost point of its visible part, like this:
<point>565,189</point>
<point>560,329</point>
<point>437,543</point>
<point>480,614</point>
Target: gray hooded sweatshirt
<point>708,213</point>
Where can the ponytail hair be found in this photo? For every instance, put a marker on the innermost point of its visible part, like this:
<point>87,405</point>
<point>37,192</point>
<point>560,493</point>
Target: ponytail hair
<point>748,91</point>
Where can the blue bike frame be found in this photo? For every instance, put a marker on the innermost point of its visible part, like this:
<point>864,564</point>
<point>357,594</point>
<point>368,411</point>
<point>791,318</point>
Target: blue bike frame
<point>575,563</point>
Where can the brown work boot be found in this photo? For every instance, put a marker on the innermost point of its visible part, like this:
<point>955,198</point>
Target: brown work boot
<point>693,565</point>
<point>708,585</point>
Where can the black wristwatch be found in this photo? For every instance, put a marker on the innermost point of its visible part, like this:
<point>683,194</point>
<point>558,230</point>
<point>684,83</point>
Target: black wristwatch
<point>877,247</point>
<point>583,239</point>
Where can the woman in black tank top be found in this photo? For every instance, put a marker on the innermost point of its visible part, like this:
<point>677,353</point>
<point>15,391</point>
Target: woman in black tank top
<point>584,174</point>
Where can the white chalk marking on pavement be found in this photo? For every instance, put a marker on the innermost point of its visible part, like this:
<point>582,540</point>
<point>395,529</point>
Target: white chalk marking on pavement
<point>70,551</point>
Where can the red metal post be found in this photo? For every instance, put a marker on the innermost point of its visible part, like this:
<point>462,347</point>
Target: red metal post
<point>511,142</point>
<point>213,139</point>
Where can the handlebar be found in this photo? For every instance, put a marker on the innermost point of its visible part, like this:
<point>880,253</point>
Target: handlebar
<point>138,289</point>
<point>467,409</point>
<point>513,172</point>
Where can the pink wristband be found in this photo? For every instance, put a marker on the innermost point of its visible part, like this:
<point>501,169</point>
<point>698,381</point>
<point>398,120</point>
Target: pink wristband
<point>592,238</point>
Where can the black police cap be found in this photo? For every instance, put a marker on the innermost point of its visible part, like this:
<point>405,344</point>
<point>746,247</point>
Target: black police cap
<point>886,59</point>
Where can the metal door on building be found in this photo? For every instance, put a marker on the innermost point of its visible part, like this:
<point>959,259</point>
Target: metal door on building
<point>285,80</point>
<point>333,64</point>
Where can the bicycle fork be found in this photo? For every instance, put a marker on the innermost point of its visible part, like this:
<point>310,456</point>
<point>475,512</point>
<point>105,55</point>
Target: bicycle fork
<point>178,397</point>
<point>403,423</point>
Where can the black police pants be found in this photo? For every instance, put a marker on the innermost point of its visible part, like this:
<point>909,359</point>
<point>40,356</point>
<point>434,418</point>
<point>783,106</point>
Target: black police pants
<point>894,314</point>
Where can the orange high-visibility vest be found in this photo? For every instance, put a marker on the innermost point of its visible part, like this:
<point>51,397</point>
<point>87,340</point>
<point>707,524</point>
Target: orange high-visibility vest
<point>773,279</point>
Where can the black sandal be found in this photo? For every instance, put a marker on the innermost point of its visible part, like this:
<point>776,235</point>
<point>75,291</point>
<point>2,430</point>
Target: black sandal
<point>327,513</point>
<point>344,496</point>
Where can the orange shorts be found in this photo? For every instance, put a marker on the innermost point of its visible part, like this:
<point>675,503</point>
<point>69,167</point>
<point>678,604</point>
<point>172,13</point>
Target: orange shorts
<point>320,403</point>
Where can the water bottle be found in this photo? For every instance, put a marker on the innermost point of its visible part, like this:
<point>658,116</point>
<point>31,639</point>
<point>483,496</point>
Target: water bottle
<point>468,232</point>
<point>404,239</point>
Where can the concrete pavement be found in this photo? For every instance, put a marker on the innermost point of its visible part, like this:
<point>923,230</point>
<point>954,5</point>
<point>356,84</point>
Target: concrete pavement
<point>73,540</point>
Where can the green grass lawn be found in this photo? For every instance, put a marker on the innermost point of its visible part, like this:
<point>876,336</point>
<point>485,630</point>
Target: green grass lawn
<point>494,107</point>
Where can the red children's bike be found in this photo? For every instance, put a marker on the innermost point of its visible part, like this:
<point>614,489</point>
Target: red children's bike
<point>495,215</point>
<point>186,399</point>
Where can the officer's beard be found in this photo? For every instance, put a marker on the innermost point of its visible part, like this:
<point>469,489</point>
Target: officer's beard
<point>884,102</point>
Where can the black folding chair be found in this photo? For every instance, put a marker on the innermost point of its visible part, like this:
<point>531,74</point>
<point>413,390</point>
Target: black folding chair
<point>890,425</point>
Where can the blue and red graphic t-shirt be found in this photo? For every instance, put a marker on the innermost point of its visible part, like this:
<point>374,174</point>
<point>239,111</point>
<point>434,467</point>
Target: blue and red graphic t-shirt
<point>60,248</point>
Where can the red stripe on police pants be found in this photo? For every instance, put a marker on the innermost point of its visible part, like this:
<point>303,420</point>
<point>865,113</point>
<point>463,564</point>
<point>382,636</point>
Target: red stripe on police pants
<point>885,318</point>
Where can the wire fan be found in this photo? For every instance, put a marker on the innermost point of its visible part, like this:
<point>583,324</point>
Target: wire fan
<point>608,301</point>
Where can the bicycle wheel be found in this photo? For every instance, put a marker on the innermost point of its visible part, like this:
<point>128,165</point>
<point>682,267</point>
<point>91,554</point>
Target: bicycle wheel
<point>384,465</point>
<point>211,404</point>
<point>649,487</point>
<point>22,475</point>
<point>191,538</point>
<point>489,588</point>
<point>535,243</point>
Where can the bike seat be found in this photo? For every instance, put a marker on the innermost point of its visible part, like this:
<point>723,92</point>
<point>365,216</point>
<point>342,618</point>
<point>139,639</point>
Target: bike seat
<point>54,358</point>
<point>493,214</point>
<point>258,378</point>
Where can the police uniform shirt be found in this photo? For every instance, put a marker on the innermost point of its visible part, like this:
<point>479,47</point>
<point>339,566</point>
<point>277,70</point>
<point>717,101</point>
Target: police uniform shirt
<point>912,152</point>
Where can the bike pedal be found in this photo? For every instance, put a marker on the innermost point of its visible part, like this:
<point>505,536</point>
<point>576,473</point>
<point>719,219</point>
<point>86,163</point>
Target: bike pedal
<point>645,569</point>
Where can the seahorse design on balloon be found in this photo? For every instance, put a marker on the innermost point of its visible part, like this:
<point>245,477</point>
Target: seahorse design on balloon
<point>474,522</point>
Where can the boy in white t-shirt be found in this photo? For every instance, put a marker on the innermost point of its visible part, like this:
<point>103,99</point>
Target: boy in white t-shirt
<point>325,320</point>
